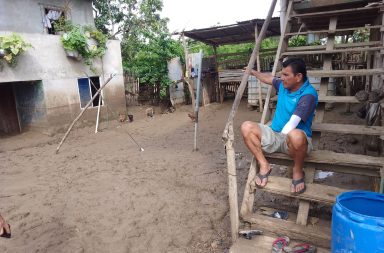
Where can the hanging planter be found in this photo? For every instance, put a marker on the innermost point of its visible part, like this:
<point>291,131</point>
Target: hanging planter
<point>73,54</point>
<point>11,46</point>
<point>84,43</point>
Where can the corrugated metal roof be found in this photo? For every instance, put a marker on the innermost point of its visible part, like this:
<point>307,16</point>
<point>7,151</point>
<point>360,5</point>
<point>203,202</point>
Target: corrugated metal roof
<point>240,32</point>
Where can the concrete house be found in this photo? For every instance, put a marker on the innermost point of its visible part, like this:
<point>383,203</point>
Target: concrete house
<point>47,89</point>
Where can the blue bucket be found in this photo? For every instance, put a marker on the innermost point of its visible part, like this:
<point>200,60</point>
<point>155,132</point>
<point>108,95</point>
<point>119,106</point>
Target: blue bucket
<point>358,223</point>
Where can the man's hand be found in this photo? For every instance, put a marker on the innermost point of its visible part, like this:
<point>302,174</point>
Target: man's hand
<point>5,230</point>
<point>251,72</point>
<point>266,78</point>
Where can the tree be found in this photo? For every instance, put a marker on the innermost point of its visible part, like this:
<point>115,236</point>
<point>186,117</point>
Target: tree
<point>132,21</point>
<point>146,45</point>
<point>151,61</point>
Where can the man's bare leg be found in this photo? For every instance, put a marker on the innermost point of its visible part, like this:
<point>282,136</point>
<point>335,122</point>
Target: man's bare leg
<point>252,137</point>
<point>297,145</point>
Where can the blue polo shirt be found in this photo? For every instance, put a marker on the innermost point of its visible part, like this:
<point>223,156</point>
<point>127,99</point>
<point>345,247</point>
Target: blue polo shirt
<point>302,103</point>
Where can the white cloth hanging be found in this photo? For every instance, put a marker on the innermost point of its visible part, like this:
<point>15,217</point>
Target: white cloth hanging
<point>51,15</point>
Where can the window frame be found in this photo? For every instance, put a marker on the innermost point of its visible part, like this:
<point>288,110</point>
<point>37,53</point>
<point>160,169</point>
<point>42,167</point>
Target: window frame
<point>44,6</point>
<point>90,91</point>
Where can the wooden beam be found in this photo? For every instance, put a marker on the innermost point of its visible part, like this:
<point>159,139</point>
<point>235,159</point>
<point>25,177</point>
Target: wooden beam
<point>228,134</point>
<point>335,51</point>
<point>263,244</point>
<point>338,99</point>
<point>304,205</point>
<point>249,190</point>
<point>315,192</point>
<point>335,12</point>
<point>217,88</point>
<point>283,44</point>
<point>348,129</point>
<point>320,235</point>
<point>337,162</point>
<point>187,74</point>
<point>341,73</point>
<point>342,45</point>
<point>335,31</point>
<point>258,82</point>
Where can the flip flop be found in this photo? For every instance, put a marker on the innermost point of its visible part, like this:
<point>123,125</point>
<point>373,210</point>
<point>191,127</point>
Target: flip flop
<point>262,177</point>
<point>5,234</point>
<point>279,244</point>
<point>299,181</point>
<point>300,248</point>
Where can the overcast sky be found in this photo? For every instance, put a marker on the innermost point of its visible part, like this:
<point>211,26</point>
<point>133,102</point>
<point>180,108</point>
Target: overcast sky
<point>197,14</point>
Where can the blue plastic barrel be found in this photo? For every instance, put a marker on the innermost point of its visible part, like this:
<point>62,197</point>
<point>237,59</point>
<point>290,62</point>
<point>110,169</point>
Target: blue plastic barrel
<point>358,223</point>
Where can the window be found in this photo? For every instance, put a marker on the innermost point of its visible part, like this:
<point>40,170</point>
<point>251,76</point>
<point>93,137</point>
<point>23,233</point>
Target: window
<point>87,89</point>
<point>51,15</point>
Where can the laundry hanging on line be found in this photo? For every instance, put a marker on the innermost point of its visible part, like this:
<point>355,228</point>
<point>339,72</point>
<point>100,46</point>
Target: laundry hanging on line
<point>51,16</point>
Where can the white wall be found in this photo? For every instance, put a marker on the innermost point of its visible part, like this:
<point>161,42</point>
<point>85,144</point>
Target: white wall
<point>175,73</point>
<point>48,62</point>
<point>25,16</point>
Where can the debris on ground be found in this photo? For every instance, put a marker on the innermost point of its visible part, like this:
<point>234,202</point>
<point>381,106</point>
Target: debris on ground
<point>149,112</point>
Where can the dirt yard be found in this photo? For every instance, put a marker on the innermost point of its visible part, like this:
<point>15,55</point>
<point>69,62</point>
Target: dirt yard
<point>101,194</point>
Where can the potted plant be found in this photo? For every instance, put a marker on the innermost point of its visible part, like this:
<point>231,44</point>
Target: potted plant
<point>62,25</point>
<point>74,42</point>
<point>84,43</point>
<point>11,46</point>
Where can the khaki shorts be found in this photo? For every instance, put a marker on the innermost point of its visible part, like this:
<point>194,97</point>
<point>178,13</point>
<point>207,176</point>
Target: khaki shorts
<point>272,141</point>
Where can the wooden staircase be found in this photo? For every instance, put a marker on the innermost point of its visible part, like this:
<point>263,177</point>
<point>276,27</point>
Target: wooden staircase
<point>373,167</point>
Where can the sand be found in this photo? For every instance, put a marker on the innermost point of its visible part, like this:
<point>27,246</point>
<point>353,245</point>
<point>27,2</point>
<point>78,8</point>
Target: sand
<point>101,194</point>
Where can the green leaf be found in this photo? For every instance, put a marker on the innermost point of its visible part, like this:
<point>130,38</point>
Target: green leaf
<point>13,45</point>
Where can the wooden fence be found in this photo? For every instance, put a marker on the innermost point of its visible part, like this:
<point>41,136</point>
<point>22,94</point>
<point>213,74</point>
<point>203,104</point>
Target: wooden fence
<point>132,89</point>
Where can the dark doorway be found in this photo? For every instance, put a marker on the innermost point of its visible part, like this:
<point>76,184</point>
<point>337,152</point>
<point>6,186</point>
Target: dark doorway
<point>30,103</point>
<point>9,121</point>
<point>22,105</point>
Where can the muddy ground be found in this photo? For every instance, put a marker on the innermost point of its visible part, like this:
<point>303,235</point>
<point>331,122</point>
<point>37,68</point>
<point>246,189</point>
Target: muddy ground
<point>101,194</point>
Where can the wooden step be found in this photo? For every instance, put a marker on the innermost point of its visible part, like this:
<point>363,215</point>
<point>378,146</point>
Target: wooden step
<point>262,244</point>
<point>334,32</point>
<point>336,12</point>
<point>348,129</point>
<point>338,99</point>
<point>314,192</point>
<point>310,233</point>
<point>343,45</point>
<point>336,162</point>
<point>334,51</point>
<point>341,73</point>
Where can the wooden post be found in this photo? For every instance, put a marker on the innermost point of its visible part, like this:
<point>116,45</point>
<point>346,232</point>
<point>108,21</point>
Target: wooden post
<point>187,74</point>
<point>82,112</point>
<point>302,213</point>
<point>217,88</point>
<point>282,43</point>
<point>249,196</point>
<point>228,134</point>
<point>259,83</point>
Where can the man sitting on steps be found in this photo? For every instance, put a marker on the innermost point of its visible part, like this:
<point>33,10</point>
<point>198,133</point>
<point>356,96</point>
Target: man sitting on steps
<point>290,131</point>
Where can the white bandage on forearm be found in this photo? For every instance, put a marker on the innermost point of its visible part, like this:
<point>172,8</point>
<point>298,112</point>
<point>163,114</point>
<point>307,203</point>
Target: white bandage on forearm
<point>291,124</point>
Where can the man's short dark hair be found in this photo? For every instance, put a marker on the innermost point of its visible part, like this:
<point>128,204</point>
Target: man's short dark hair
<point>297,65</point>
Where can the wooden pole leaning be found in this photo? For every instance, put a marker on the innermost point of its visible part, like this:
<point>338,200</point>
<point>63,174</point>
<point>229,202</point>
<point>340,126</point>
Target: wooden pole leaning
<point>187,74</point>
<point>228,134</point>
<point>258,82</point>
<point>82,112</point>
<point>275,64</point>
